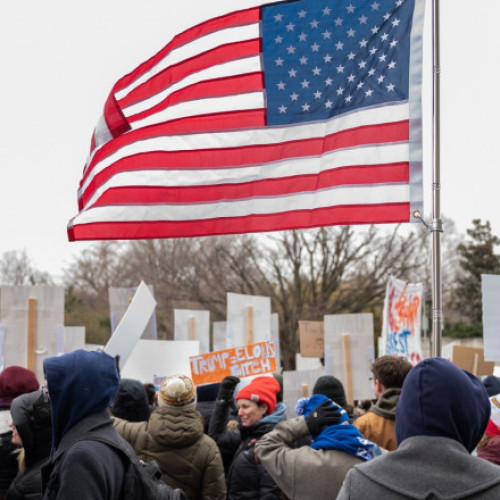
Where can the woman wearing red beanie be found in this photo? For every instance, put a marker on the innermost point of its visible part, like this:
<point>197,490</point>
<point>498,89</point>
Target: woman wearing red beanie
<point>258,413</point>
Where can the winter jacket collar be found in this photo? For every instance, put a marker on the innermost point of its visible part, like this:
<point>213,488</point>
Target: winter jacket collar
<point>386,404</point>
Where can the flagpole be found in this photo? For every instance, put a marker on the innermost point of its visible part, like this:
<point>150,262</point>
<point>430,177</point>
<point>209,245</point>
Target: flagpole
<point>437,226</point>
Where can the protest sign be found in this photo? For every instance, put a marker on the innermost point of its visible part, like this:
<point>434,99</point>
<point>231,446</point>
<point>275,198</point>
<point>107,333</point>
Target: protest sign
<point>244,361</point>
<point>401,327</point>
<point>312,339</point>
<point>472,360</point>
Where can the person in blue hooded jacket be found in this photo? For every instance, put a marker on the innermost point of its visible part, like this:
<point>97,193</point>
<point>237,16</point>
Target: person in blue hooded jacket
<point>81,387</point>
<point>441,415</point>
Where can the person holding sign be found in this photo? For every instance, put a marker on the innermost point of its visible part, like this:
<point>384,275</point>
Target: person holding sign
<point>246,477</point>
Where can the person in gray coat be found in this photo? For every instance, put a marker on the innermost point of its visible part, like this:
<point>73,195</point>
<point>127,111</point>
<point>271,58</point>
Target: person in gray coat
<point>441,415</point>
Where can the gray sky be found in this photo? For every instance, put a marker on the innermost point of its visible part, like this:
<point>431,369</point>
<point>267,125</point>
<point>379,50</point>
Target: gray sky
<point>59,60</point>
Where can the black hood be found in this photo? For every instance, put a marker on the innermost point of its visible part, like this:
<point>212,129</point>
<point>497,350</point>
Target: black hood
<point>31,415</point>
<point>440,399</point>
<point>131,401</point>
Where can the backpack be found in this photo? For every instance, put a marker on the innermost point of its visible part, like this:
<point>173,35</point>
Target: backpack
<point>142,480</point>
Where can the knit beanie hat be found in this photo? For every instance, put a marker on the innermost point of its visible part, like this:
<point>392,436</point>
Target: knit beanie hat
<point>491,384</point>
<point>176,390</point>
<point>261,390</point>
<point>330,387</point>
<point>14,381</point>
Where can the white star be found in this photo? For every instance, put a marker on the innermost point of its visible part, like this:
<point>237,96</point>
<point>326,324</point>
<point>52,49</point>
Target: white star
<point>375,6</point>
<point>360,85</point>
<point>327,58</point>
<point>399,3</point>
<point>326,11</point>
<point>328,104</point>
<point>281,85</point>
<point>278,39</point>
<point>338,21</point>
<point>282,109</point>
<point>292,73</point>
<point>303,60</point>
<point>380,79</point>
<point>363,43</point>
<point>351,32</point>
<point>348,98</point>
<point>396,22</point>
<point>302,14</point>
<point>374,30</point>
<point>393,44</point>
<point>279,61</point>
<point>339,45</point>
<point>315,47</point>
<point>291,49</point>
<point>392,65</point>
<point>278,17</point>
<point>373,50</point>
<point>363,19</point>
<point>290,27</point>
<point>327,35</point>
<point>317,94</point>
<point>314,24</point>
<point>340,68</point>
<point>371,72</point>
<point>390,87</point>
<point>305,107</point>
<point>305,84</point>
<point>362,64</point>
<point>369,92</point>
<point>382,58</point>
<point>384,37</point>
<point>294,96</point>
<point>351,78</point>
<point>386,16</point>
<point>316,71</point>
<point>350,8</point>
<point>351,56</point>
<point>328,82</point>
<point>302,37</point>
<point>340,91</point>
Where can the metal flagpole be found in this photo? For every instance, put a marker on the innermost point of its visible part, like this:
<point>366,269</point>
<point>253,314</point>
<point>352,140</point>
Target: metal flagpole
<point>437,226</point>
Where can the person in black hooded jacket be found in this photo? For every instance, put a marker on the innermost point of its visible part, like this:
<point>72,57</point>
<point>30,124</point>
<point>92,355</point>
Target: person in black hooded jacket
<point>82,385</point>
<point>246,477</point>
<point>31,429</point>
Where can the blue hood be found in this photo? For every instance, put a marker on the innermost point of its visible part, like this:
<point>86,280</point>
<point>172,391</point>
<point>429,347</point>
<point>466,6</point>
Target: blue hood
<point>80,383</point>
<point>440,399</point>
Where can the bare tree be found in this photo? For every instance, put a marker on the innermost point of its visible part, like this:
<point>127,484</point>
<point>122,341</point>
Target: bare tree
<point>16,268</point>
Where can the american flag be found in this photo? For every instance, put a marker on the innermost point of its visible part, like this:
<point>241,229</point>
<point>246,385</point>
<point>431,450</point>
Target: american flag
<point>290,115</point>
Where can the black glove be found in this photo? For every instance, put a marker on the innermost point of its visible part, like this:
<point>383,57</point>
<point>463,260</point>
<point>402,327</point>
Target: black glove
<point>322,416</point>
<point>227,387</point>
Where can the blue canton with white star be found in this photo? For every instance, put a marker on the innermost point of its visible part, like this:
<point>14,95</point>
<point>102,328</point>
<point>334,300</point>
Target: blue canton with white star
<point>323,58</point>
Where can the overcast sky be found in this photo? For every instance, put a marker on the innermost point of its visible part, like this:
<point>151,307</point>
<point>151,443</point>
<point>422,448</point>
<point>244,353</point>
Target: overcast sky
<point>59,60</point>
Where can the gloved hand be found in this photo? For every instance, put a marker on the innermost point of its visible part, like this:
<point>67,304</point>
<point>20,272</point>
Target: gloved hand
<point>227,387</point>
<point>322,416</point>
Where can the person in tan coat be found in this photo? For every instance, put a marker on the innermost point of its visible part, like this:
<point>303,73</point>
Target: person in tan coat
<point>174,438</point>
<point>378,424</point>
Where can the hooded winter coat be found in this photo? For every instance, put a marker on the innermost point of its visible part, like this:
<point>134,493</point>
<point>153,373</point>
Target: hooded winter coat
<point>187,457</point>
<point>378,424</point>
<point>131,401</point>
<point>31,416</point>
<point>82,386</point>
<point>441,416</point>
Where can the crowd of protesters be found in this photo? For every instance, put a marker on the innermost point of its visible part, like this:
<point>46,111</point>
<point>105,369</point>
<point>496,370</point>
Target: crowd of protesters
<point>432,431</point>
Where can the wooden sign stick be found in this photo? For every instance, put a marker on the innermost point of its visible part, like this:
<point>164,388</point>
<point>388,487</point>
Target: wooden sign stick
<point>249,324</point>
<point>32,327</point>
<point>192,328</point>
<point>346,352</point>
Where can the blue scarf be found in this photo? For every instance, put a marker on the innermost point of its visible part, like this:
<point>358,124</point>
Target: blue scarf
<point>342,436</point>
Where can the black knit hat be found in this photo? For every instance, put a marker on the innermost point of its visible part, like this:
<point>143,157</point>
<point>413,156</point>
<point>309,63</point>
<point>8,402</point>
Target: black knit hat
<point>332,388</point>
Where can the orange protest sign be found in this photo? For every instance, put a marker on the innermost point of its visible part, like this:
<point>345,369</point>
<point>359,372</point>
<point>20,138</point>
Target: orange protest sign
<point>244,361</point>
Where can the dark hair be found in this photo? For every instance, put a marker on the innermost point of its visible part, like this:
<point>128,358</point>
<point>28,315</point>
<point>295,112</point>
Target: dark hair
<point>391,371</point>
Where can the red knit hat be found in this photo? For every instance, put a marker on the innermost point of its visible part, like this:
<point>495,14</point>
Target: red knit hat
<point>14,381</point>
<point>261,390</point>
